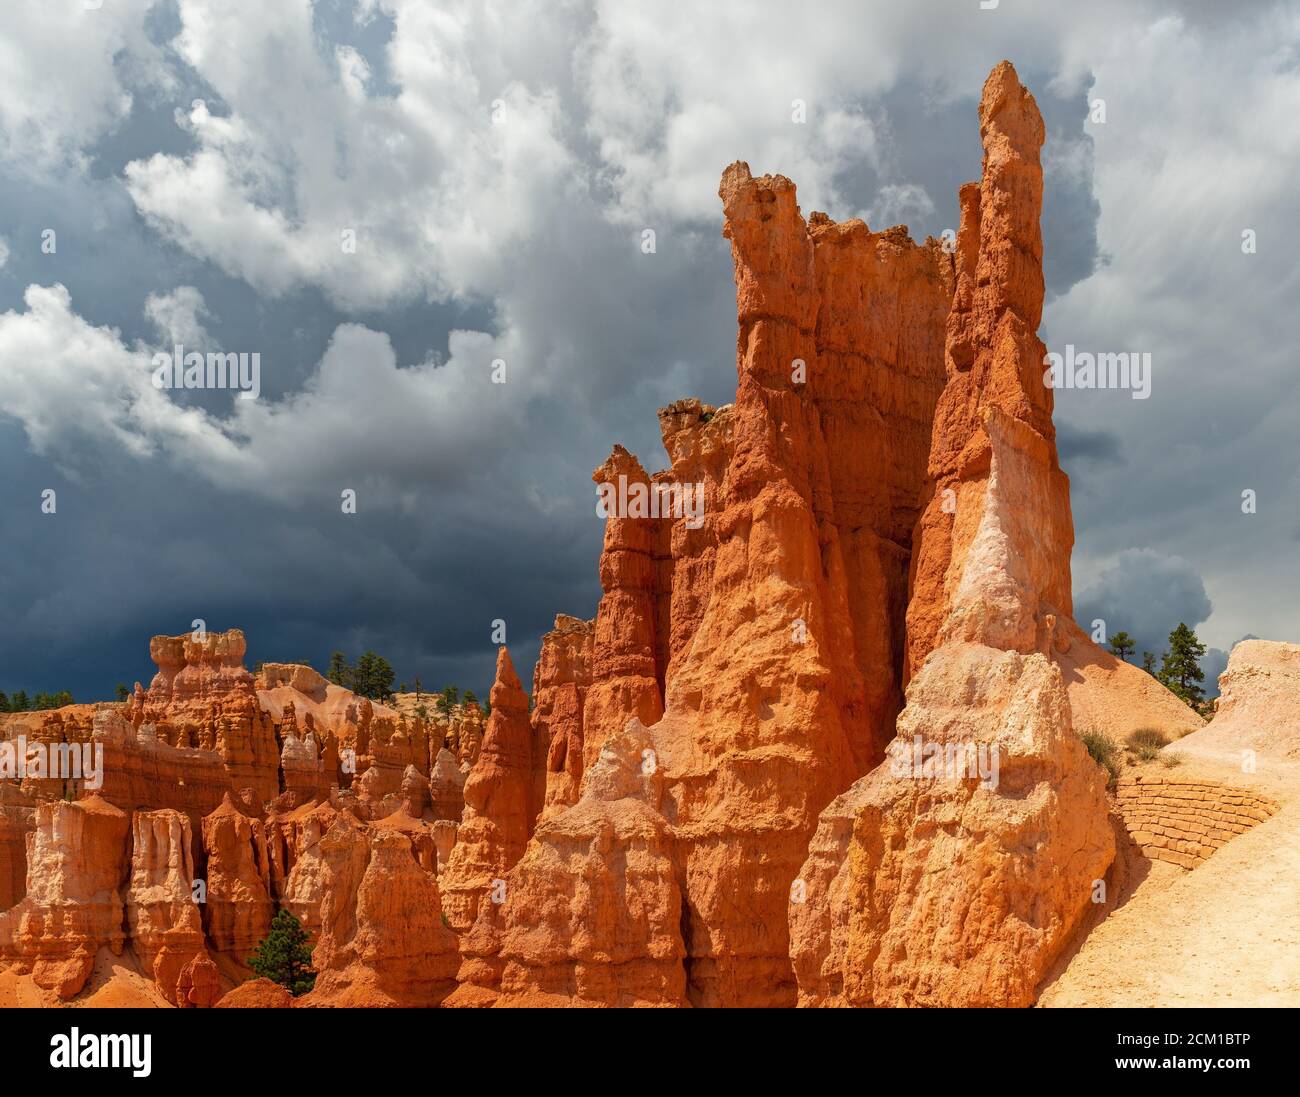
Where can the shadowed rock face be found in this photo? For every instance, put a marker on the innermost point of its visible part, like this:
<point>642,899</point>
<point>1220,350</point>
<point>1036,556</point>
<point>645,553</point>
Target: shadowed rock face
<point>560,685</point>
<point>447,787</point>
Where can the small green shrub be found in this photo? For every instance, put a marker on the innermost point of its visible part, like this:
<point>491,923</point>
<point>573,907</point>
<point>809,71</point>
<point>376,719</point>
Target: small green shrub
<point>1145,743</point>
<point>1104,752</point>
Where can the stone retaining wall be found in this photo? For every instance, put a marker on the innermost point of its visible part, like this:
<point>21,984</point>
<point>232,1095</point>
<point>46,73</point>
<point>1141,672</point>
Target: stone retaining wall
<point>1184,821</point>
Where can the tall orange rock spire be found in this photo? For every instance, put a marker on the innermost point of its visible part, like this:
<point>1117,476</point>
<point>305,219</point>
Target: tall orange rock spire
<point>498,792</point>
<point>995,409</point>
<point>1014,811</point>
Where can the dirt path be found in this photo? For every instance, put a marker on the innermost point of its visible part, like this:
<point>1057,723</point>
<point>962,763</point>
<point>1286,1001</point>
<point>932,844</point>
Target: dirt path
<point>1225,933</point>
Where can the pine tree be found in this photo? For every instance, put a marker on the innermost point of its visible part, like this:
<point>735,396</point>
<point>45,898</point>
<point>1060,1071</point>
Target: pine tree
<point>1122,645</point>
<point>1149,663</point>
<point>373,677</point>
<point>1180,669</point>
<point>19,702</point>
<point>283,955</point>
<point>339,673</point>
<point>447,700</point>
<point>121,692</point>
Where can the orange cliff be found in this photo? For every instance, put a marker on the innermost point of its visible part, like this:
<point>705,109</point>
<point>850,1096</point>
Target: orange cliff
<point>883,503</point>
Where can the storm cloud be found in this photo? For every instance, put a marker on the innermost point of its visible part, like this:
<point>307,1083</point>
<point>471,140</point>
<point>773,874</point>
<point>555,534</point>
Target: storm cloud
<point>395,203</point>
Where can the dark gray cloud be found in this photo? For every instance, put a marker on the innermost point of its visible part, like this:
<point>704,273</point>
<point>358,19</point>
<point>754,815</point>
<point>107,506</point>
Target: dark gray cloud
<point>1147,595</point>
<point>523,242</point>
<point>1078,444</point>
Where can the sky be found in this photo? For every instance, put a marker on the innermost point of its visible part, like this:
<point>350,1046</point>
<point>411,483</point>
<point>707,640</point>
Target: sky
<point>398,203</point>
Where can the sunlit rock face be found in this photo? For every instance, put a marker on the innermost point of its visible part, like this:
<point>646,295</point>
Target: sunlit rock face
<point>165,926</point>
<point>959,884</point>
<point>202,696</point>
<point>76,877</point>
<point>497,819</point>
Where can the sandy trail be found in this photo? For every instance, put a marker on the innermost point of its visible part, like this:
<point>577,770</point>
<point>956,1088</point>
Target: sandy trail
<point>1224,934</point>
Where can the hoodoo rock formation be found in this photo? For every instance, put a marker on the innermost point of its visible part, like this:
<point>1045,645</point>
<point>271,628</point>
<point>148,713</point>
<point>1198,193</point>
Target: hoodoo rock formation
<point>239,909</point>
<point>592,932</point>
<point>934,888</point>
<point>498,792</point>
<point>383,941</point>
<point>213,797</point>
<point>164,920</point>
<point>891,440</point>
<point>994,474</point>
<point>955,874</point>
<point>202,696</point>
<point>76,869</point>
<point>447,787</point>
<point>760,627</point>
<point>560,685</point>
